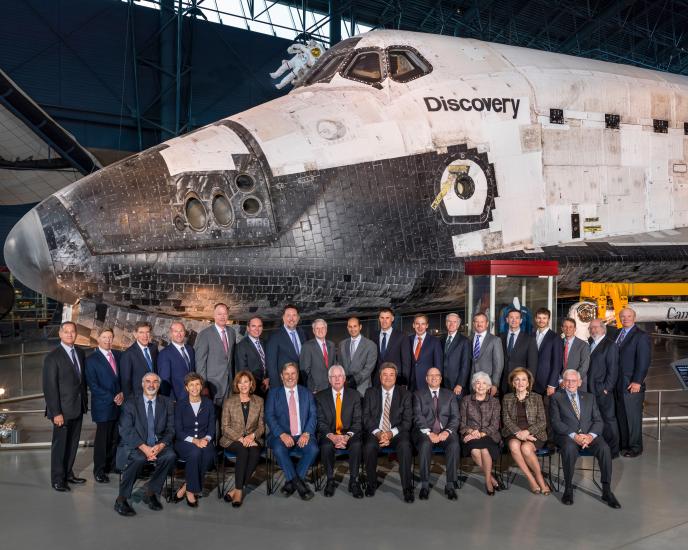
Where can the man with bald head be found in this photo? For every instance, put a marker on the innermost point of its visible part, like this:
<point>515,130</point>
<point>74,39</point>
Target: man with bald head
<point>634,362</point>
<point>250,355</point>
<point>174,362</point>
<point>602,378</point>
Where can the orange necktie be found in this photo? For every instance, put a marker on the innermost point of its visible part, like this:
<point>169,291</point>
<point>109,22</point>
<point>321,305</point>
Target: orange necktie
<point>418,345</point>
<point>338,414</point>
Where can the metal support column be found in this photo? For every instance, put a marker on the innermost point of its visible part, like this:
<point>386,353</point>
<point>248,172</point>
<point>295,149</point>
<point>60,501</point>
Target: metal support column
<point>335,22</point>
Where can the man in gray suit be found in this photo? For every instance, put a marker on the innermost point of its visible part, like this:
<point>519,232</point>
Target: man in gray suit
<point>317,356</point>
<point>576,355</point>
<point>214,356</point>
<point>487,352</point>
<point>436,420</point>
<point>358,356</point>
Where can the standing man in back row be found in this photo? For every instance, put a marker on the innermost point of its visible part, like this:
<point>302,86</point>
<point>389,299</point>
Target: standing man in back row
<point>358,356</point>
<point>520,349</point>
<point>549,356</point>
<point>576,353</point>
<point>284,346</point>
<point>138,359</point>
<point>391,348</point>
<point>488,356</point>
<point>215,357</point>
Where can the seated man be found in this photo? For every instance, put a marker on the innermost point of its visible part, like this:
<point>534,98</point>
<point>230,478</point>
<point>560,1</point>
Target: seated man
<point>577,424</point>
<point>291,417</point>
<point>339,427</point>
<point>387,421</point>
<point>436,416</point>
<point>146,430</point>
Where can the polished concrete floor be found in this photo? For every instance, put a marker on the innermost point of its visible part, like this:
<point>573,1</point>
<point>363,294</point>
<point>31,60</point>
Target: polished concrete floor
<point>652,490</point>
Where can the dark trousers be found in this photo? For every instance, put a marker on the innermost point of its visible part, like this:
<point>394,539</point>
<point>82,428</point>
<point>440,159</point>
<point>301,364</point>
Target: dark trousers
<point>607,406</point>
<point>63,449</point>
<point>629,411</point>
<point>327,456</point>
<point>198,462</point>
<point>569,449</point>
<point>282,453</point>
<point>401,443</point>
<point>105,447</point>
<point>245,463</point>
<point>424,447</point>
<point>136,461</point>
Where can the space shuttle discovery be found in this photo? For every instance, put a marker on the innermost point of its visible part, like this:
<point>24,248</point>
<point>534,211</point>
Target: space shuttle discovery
<point>396,158</point>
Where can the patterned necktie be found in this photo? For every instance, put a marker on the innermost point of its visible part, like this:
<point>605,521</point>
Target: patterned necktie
<point>259,348</point>
<point>295,341</point>
<point>476,347</point>
<point>293,415</point>
<point>325,356</point>
<point>150,419</point>
<point>419,343</point>
<point>386,426</point>
<point>186,357</point>
<point>338,413</point>
<point>510,347</point>
<point>566,354</point>
<point>576,410</point>
<point>76,364</point>
<point>621,337</point>
<point>383,345</point>
<point>111,360</point>
<point>149,361</point>
<point>353,348</point>
<point>436,426</point>
<point>225,343</point>
<point>447,345</point>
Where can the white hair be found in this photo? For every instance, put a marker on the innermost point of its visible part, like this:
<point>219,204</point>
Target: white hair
<point>333,368</point>
<point>317,322</point>
<point>481,375</point>
<point>573,371</point>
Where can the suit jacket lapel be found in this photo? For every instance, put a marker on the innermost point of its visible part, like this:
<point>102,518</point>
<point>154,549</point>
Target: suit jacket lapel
<point>143,427</point>
<point>303,405</point>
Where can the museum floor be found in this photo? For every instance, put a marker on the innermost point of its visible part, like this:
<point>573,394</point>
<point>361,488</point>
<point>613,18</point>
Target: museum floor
<point>652,490</point>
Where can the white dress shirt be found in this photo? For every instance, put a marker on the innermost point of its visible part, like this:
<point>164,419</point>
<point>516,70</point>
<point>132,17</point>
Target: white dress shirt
<point>426,431</point>
<point>287,392</point>
<point>334,400</point>
<point>196,407</point>
<point>69,349</point>
<point>395,431</point>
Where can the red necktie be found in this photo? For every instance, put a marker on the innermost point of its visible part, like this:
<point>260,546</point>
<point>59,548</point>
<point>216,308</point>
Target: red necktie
<point>416,353</point>
<point>225,343</point>
<point>566,354</point>
<point>327,359</point>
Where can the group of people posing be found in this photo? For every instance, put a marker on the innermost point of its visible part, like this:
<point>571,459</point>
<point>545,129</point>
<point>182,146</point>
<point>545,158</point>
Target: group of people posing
<point>308,398</point>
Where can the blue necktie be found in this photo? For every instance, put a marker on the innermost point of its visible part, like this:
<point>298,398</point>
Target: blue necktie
<point>383,346</point>
<point>149,361</point>
<point>295,341</point>
<point>510,347</point>
<point>186,358</point>
<point>621,337</point>
<point>476,347</point>
<point>76,365</point>
<point>150,418</point>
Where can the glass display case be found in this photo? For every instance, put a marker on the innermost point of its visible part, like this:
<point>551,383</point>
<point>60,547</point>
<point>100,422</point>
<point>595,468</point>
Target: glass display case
<point>494,287</point>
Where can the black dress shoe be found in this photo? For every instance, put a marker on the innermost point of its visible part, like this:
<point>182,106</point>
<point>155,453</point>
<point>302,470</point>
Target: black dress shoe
<point>451,493</point>
<point>330,486</point>
<point>630,453</point>
<point>355,489</point>
<point>304,491</point>
<point>123,509</point>
<point>567,498</point>
<point>489,492</point>
<point>61,487</point>
<point>193,504</point>
<point>288,489</point>
<point>424,493</point>
<point>76,480</point>
<point>408,496</point>
<point>102,478</point>
<point>370,491</point>
<point>610,499</point>
<point>153,502</point>
<point>500,485</point>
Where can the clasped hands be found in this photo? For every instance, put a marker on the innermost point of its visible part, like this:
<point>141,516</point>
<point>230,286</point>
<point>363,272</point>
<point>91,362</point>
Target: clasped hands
<point>583,439</point>
<point>248,440</point>
<point>339,440</point>
<point>151,452</point>
<point>289,442</point>
<point>473,434</point>
<point>384,438</point>
<point>438,438</point>
<point>525,435</point>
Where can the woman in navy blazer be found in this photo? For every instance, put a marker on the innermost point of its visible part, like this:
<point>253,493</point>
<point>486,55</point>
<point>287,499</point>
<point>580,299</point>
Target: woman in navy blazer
<point>194,428</point>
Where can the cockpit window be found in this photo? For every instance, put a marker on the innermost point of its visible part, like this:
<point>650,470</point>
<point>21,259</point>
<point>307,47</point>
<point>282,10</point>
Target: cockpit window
<point>406,64</point>
<point>325,70</point>
<point>364,67</point>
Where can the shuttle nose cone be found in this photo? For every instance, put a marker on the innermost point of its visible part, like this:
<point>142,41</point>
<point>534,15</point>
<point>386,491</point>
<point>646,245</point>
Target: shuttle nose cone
<point>28,258</point>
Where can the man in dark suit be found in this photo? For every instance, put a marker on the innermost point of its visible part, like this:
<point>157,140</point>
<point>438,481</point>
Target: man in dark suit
<point>520,349</point>
<point>634,362</point>
<point>486,350</point>
<point>391,348</point>
<point>141,357</point>
<point>284,345</point>
<point>317,356</point>
<point>214,349</point>
<point>602,379</point>
<point>64,388</point>
<point>387,421</point>
<point>174,362</point>
<point>146,429</point>
<point>426,353</point>
<point>577,424</point>
<point>575,352</point>
<point>102,377</point>
<point>249,355</point>
<point>549,355</point>
<point>358,356</point>
<point>291,418</point>
<point>436,419</point>
<point>339,428</point>
<point>457,357</point>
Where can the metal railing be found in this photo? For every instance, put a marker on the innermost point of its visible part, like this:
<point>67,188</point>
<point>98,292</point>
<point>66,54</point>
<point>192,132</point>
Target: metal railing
<point>659,418</point>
